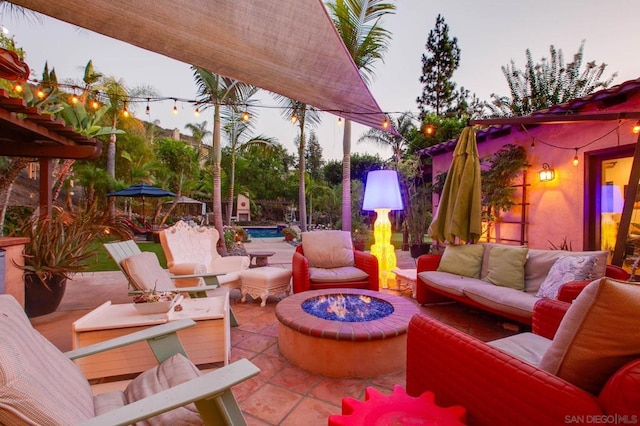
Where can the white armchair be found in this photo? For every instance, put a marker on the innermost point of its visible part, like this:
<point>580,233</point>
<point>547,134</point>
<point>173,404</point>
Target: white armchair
<point>192,250</point>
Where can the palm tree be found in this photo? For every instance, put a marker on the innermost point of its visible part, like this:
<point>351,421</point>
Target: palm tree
<point>301,115</point>
<point>199,132</point>
<point>398,143</point>
<point>358,23</point>
<point>219,92</point>
<point>238,131</point>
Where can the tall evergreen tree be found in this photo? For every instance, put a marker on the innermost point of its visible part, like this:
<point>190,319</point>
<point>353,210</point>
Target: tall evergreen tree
<point>314,161</point>
<point>438,64</point>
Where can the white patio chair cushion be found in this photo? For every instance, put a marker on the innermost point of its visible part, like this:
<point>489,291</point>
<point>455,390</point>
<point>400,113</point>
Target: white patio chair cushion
<point>337,275</point>
<point>38,383</point>
<point>146,273</point>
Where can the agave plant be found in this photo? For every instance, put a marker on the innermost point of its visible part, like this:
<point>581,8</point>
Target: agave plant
<point>61,243</point>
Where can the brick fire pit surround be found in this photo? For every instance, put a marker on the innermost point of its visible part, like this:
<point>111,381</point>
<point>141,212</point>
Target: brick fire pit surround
<point>344,349</point>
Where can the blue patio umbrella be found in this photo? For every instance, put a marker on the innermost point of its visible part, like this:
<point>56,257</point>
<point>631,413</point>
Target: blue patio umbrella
<point>142,190</point>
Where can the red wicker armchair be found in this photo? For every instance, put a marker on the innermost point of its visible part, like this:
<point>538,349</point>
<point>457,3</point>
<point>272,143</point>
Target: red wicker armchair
<point>363,261</point>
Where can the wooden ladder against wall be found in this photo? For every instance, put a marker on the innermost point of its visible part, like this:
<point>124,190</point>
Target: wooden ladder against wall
<point>516,225</point>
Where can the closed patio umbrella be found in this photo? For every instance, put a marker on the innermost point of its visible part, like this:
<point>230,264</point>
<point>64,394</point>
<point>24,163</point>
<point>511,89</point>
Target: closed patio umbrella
<point>459,213</point>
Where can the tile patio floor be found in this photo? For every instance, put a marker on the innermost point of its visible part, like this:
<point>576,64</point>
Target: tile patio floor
<point>281,394</point>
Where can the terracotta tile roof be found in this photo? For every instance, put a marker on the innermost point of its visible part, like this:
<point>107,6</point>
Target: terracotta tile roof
<point>606,97</point>
<point>27,132</point>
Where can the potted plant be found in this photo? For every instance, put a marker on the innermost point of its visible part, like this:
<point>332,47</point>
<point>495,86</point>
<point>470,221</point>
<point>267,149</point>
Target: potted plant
<point>360,237</point>
<point>290,233</point>
<point>59,246</point>
<point>417,209</point>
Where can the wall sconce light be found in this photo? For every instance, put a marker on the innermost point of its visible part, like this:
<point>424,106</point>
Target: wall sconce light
<point>636,127</point>
<point>382,194</point>
<point>547,173</point>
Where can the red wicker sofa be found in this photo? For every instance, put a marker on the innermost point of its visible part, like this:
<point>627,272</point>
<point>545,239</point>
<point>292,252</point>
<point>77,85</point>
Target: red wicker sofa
<point>434,286</point>
<point>499,389</point>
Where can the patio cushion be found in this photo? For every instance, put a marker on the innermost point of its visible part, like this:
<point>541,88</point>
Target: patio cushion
<point>62,396</point>
<point>465,260</point>
<point>145,270</point>
<point>171,372</point>
<point>328,249</point>
<point>450,283</point>
<point>564,270</point>
<point>502,299</point>
<point>506,267</point>
<point>105,402</point>
<point>528,347</point>
<point>597,335</point>
<point>337,275</point>
<point>539,263</point>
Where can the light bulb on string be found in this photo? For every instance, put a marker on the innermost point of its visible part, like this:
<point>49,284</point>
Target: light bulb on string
<point>294,117</point>
<point>175,108</point>
<point>18,87</point>
<point>148,109</point>
<point>385,123</point>
<point>197,112</point>
<point>40,93</point>
<point>125,111</point>
<point>339,121</point>
<point>74,99</point>
<point>576,160</point>
<point>245,116</point>
<point>95,104</point>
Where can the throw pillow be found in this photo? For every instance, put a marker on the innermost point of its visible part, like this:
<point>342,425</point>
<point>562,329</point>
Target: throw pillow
<point>328,249</point>
<point>596,336</point>
<point>465,260</point>
<point>506,266</point>
<point>564,270</point>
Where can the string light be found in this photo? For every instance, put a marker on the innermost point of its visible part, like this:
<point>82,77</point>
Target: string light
<point>576,160</point>
<point>339,121</point>
<point>429,130</point>
<point>197,112</point>
<point>245,116</point>
<point>125,111</point>
<point>385,123</point>
<point>175,107</point>
<point>74,99</point>
<point>148,108</point>
<point>95,104</point>
<point>294,117</point>
<point>18,87</point>
<point>40,93</point>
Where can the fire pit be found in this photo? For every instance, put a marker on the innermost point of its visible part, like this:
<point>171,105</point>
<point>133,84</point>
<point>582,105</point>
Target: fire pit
<point>320,331</point>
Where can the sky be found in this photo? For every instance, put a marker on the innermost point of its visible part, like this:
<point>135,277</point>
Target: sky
<point>490,34</point>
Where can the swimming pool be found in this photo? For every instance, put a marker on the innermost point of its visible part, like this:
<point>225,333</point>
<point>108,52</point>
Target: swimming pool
<point>263,232</point>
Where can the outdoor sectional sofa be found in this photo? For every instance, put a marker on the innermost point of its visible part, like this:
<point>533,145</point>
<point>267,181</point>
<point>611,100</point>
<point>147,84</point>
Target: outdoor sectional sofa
<point>507,280</point>
<point>514,381</point>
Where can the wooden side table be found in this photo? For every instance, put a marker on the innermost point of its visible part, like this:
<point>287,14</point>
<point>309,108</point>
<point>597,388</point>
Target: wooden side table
<point>207,342</point>
<point>406,278</point>
<point>262,258</point>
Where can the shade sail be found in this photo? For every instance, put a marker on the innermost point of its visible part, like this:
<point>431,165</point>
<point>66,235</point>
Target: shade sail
<point>289,47</point>
<point>460,209</point>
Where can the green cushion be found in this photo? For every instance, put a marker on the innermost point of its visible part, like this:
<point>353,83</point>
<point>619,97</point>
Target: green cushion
<point>506,266</point>
<point>465,260</point>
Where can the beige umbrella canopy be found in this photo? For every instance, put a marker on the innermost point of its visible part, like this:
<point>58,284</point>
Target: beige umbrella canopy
<point>459,213</point>
<point>289,47</point>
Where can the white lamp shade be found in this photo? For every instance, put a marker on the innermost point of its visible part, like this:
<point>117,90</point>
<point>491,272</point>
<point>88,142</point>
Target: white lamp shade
<point>382,191</point>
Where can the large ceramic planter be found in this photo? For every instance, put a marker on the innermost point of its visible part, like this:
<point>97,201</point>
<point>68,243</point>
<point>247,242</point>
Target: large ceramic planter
<point>40,300</point>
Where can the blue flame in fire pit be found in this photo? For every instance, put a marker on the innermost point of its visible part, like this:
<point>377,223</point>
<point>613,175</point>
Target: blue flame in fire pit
<point>347,307</point>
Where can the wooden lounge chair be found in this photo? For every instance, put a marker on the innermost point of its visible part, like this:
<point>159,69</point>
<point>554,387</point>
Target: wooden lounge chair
<point>144,273</point>
<point>41,385</point>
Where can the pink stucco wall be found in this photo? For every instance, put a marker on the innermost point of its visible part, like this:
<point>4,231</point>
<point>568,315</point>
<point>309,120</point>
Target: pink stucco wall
<point>555,208</point>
